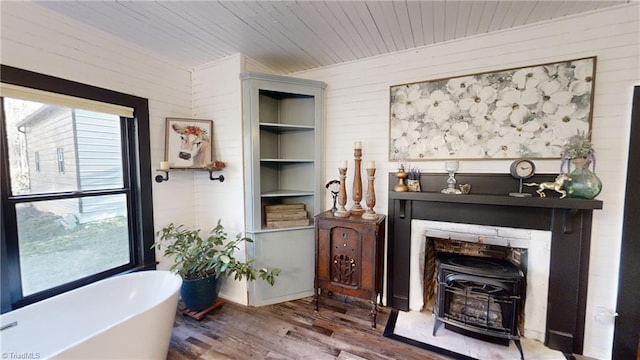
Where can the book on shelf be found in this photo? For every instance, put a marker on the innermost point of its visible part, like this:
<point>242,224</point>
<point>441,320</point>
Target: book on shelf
<point>278,224</point>
<point>286,215</point>
<point>284,207</point>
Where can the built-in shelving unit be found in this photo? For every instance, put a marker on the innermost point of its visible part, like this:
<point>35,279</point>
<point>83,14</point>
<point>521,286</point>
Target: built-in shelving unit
<point>283,136</point>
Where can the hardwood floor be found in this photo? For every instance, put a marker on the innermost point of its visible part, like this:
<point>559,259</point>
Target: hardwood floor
<point>290,330</point>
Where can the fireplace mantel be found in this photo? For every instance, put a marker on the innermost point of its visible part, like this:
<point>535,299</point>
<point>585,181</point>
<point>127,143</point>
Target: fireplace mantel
<point>569,221</point>
<point>502,200</point>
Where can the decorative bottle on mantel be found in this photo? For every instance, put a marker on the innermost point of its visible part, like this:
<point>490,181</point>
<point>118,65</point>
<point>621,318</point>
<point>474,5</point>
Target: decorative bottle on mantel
<point>401,174</point>
<point>583,183</point>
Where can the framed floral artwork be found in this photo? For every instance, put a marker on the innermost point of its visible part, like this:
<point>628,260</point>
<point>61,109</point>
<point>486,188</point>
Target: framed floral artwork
<point>188,142</point>
<point>526,112</point>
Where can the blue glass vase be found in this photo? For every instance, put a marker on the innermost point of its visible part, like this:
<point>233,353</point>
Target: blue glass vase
<point>584,183</point>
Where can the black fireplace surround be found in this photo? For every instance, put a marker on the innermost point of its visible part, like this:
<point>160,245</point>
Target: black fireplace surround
<point>488,203</point>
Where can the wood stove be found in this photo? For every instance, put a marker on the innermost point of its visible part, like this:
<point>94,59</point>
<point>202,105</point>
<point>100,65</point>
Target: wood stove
<point>479,297</point>
<point>568,220</point>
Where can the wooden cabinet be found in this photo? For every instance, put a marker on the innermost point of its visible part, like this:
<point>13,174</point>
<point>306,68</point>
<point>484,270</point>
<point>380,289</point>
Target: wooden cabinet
<point>349,257</point>
<point>283,147</point>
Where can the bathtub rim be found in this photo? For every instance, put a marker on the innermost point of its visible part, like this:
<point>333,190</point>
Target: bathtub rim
<point>130,316</point>
<point>172,293</point>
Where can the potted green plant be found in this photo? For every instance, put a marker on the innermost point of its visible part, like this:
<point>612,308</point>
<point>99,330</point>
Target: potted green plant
<point>203,261</point>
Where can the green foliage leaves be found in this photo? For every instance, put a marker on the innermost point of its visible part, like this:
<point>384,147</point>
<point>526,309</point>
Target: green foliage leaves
<point>196,257</point>
<point>578,147</point>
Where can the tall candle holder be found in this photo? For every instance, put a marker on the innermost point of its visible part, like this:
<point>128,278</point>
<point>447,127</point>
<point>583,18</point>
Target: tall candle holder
<point>342,195</point>
<point>356,208</point>
<point>370,214</point>
<point>451,167</point>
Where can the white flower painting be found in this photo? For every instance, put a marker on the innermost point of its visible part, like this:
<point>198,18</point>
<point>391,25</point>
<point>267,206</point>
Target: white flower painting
<point>518,113</point>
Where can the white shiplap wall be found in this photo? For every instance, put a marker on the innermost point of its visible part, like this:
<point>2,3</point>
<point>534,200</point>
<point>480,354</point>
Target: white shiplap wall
<point>357,108</point>
<point>35,39</point>
<point>217,96</point>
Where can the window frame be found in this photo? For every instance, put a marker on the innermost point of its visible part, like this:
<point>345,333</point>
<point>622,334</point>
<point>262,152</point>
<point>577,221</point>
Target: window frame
<point>136,176</point>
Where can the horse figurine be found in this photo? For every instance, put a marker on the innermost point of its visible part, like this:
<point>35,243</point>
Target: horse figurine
<point>552,185</point>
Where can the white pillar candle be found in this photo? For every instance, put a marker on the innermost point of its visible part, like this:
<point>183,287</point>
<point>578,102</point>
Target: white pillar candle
<point>164,165</point>
<point>343,164</point>
<point>451,165</point>
<point>371,165</point>
<point>357,145</point>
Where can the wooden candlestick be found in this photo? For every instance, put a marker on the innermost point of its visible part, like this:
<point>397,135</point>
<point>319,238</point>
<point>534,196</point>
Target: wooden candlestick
<point>371,196</point>
<point>356,209</point>
<point>342,195</point>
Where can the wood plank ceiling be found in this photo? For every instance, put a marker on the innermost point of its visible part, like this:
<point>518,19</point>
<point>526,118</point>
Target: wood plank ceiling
<point>290,36</point>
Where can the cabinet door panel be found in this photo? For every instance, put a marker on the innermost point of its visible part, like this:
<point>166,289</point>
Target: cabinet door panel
<point>293,255</point>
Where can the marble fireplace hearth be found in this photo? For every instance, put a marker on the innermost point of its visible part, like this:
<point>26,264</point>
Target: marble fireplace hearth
<point>567,220</point>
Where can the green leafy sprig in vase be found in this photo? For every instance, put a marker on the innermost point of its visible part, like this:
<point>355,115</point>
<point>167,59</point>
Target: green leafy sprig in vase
<point>583,183</point>
<point>577,147</point>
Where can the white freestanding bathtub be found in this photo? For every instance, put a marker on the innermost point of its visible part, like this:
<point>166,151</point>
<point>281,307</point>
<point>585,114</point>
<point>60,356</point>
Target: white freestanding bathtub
<point>124,317</point>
